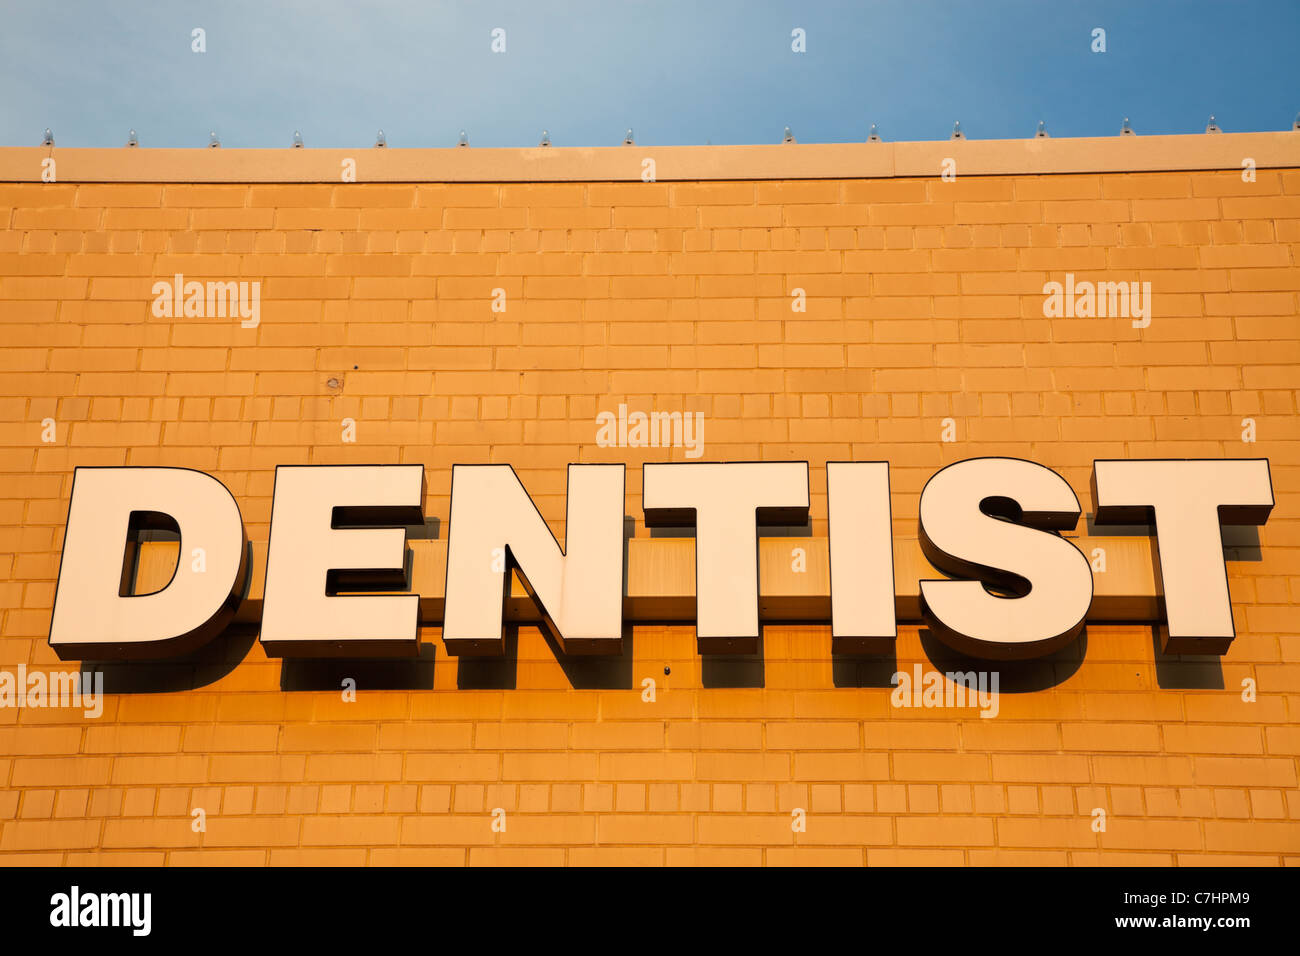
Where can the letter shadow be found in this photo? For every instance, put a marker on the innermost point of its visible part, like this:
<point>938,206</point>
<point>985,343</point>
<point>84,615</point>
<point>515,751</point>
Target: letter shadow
<point>864,670</point>
<point>1092,529</point>
<point>735,670</point>
<point>1240,541</point>
<point>491,673</point>
<point>1185,671</point>
<point>428,531</point>
<point>583,671</point>
<point>596,671</point>
<point>406,673</point>
<point>1014,677</point>
<point>203,666</point>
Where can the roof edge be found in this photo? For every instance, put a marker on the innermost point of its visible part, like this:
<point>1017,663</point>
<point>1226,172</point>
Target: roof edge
<point>1113,154</point>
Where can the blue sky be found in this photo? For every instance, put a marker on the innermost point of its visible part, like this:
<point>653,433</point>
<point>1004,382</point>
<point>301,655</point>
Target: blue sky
<point>677,72</point>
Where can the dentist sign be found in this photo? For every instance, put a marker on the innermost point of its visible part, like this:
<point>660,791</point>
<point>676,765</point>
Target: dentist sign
<point>337,581</point>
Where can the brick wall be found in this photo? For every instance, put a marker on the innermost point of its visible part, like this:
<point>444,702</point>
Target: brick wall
<point>924,302</point>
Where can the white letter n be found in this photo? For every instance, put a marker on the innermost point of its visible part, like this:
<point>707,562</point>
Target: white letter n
<point>579,591</point>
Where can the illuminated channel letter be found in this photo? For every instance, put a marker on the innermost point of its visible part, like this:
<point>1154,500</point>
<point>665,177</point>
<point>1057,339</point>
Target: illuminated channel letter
<point>496,529</point>
<point>96,613</point>
<point>339,528</point>
<point>990,519</point>
<point>862,557</point>
<point>726,503</point>
<point>1187,501</point>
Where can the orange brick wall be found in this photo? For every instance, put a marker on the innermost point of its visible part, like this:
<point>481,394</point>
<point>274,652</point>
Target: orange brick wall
<point>924,303</point>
